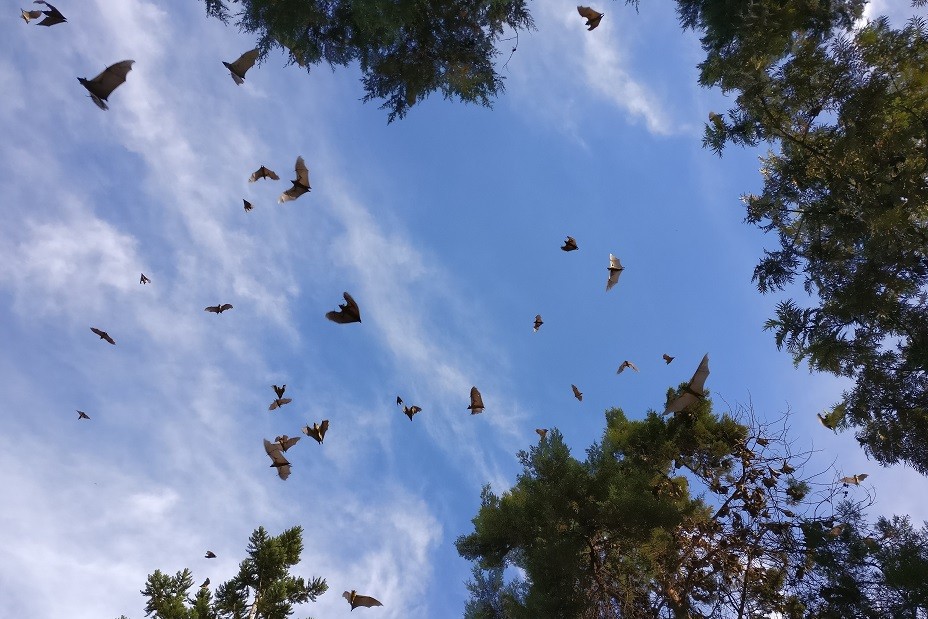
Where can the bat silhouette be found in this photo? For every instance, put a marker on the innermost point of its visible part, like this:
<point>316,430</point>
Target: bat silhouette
<point>694,391</point>
<point>577,393</point>
<point>360,600</point>
<point>570,244</point>
<point>854,479</point>
<point>240,66</point>
<point>287,442</point>
<point>279,390</point>
<point>278,403</point>
<point>278,461</point>
<point>476,402</point>
<point>592,17</point>
<point>103,85</point>
<point>626,364</point>
<point>218,309</point>
<point>542,432</point>
<point>210,554</point>
<point>263,172</point>
<point>615,269</point>
<point>347,311</point>
<point>205,584</point>
<point>538,323</point>
<point>300,183</point>
<point>52,15</point>
<point>144,280</point>
<point>248,205</point>
<point>409,411</point>
<point>28,15</point>
<point>832,419</point>
<point>82,415</point>
<point>103,335</point>
<point>717,121</point>
<point>317,431</point>
<point>837,530</point>
<point>667,358</point>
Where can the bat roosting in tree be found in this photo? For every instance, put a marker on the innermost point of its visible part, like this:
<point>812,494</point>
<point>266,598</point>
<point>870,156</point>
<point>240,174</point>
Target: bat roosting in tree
<point>278,461</point>
<point>409,411</point>
<point>360,600</point>
<point>263,172</point>
<point>592,17</point>
<point>317,431</point>
<point>240,66</point>
<point>103,335</point>
<point>347,311</point>
<point>694,391</point>
<point>300,184</point>
<point>476,402</point>
<point>104,84</point>
<point>218,309</point>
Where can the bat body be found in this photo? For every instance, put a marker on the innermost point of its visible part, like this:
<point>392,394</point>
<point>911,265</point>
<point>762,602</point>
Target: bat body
<point>476,402</point>
<point>570,244</point>
<point>626,364</point>
<point>103,335</point>
<point>275,451</point>
<point>542,432</point>
<point>615,270</point>
<point>52,15</point>
<point>104,84</point>
<point>667,358</point>
<point>538,323</point>
<point>248,205</point>
<point>218,309</point>
<point>144,280</point>
<point>592,17</point>
<point>577,393</point>
<point>300,183</point>
<point>241,66</point>
<point>286,442</point>
<point>717,121</point>
<point>347,311</point>
<point>409,411</point>
<point>263,172</point>
<point>210,554</point>
<point>854,479</point>
<point>694,391</point>
<point>82,415</point>
<point>278,403</point>
<point>317,431</point>
<point>832,419</point>
<point>360,600</point>
<point>205,584</point>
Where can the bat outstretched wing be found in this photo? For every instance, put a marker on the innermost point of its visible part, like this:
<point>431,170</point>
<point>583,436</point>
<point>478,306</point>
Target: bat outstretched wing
<point>348,311</point>
<point>106,82</point>
<point>476,401</point>
<point>263,172</point>
<point>241,66</point>
<point>360,600</point>
<point>278,403</point>
<point>577,393</point>
<point>698,382</point>
<point>300,184</point>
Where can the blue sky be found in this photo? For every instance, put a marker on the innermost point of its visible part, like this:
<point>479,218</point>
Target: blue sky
<point>445,227</point>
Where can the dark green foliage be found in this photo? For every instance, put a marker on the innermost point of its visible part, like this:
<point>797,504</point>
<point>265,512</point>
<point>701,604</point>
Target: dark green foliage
<point>406,50</point>
<point>846,194</point>
<point>262,589</point>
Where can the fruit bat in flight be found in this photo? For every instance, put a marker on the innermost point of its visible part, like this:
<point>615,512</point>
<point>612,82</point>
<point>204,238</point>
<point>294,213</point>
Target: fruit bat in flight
<point>248,205</point>
<point>667,358</point>
<point>278,461</point>
<point>694,391</point>
<point>615,269</point>
<point>286,442</point>
<point>103,335</point>
<point>144,280</point>
<point>263,172</point>
<point>82,415</point>
<point>542,432</point>
<point>347,311</point>
<point>538,323</point>
<point>300,183</point>
<point>104,84</point>
<point>360,600</point>
<point>29,15</point>
<point>570,244</point>
<point>240,66</point>
<point>205,584</point>
<point>278,403</point>
<point>52,15</point>
<point>626,364</point>
<point>832,419</point>
<point>854,479</point>
<point>577,393</point>
<point>218,309</point>
<point>409,411</point>
<point>317,431</point>
<point>210,554</point>
<point>476,402</point>
<point>592,17</point>
<point>279,390</point>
